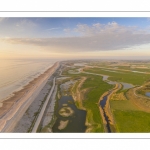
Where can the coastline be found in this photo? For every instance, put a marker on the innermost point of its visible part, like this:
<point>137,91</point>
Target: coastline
<point>11,89</point>
<point>22,99</point>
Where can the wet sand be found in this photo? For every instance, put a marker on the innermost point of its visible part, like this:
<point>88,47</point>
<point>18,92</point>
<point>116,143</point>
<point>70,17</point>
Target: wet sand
<point>14,107</point>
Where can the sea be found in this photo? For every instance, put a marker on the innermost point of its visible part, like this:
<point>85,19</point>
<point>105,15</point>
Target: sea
<point>16,73</point>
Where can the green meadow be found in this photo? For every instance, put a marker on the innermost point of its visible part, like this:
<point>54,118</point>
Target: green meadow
<point>122,76</point>
<point>134,69</point>
<point>128,118</point>
<point>132,121</point>
<point>98,87</point>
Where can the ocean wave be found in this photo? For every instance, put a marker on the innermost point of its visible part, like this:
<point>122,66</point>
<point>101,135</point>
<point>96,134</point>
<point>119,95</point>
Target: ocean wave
<point>21,75</point>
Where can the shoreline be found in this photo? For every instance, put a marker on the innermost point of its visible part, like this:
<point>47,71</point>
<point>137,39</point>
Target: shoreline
<point>22,99</point>
<point>11,92</point>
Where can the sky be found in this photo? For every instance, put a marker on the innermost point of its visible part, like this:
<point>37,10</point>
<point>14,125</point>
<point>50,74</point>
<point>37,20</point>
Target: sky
<point>75,38</point>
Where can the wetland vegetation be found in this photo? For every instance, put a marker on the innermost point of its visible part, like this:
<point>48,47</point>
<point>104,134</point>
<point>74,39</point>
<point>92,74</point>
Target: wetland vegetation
<point>122,76</point>
<point>124,107</point>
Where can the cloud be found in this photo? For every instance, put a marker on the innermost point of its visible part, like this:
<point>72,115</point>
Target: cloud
<point>98,37</point>
<point>24,24</point>
<point>53,29</point>
<point>22,27</point>
<point>104,29</point>
<point>148,19</point>
<point>2,19</point>
<point>67,30</point>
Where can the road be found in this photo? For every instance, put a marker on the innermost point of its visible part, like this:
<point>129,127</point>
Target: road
<point>10,119</point>
<point>36,125</point>
<point>15,113</point>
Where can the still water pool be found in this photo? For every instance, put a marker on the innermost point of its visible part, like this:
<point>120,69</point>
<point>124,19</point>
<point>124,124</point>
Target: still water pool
<point>72,123</point>
<point>147,94</point>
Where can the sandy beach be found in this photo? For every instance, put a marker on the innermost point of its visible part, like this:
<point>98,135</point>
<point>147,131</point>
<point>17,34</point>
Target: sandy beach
<point>13,108</point>
<point>25,123</point>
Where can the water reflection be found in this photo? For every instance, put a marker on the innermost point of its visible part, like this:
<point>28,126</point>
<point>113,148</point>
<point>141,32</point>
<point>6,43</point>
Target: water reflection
<point>69,123</point>
<point>102,104</point>
<point>147,94</point>
<point>126,85</point>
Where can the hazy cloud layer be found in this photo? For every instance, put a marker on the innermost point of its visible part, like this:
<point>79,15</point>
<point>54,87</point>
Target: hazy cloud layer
<point>100,37</point>
<point>2,19</point>
<point>53,29</point>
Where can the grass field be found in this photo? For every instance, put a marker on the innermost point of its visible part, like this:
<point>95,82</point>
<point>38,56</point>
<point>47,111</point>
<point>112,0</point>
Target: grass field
<point>132,121</point>
<point>91,102</point>
<point>123,105</point>
<point>122,76</point>
<point>134,69</point>
<point>128,118</point>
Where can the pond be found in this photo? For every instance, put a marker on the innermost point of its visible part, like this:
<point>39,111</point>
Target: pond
<point>105,77</point>
<point>147,94</point>
<point>69,117</point>
<point>126,85</point>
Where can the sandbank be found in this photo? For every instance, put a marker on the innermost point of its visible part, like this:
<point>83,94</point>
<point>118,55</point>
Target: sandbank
<point>13,108</point>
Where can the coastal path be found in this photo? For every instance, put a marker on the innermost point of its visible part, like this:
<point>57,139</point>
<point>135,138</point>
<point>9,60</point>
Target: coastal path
<point>36,125</point>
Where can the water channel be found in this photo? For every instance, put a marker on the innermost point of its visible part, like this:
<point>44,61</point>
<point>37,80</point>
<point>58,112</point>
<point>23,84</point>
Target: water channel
<point>76,121</point>
<point>102,104</point>
<point>104,99</point>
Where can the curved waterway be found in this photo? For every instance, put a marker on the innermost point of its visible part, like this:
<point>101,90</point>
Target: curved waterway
<point>102,105</point>
<point>76,121</point>
<point>71,119</point>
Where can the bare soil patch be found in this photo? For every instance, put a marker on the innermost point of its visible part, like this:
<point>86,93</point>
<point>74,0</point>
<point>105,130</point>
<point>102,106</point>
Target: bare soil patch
<point>63,124</point>
<point>66,111</point>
